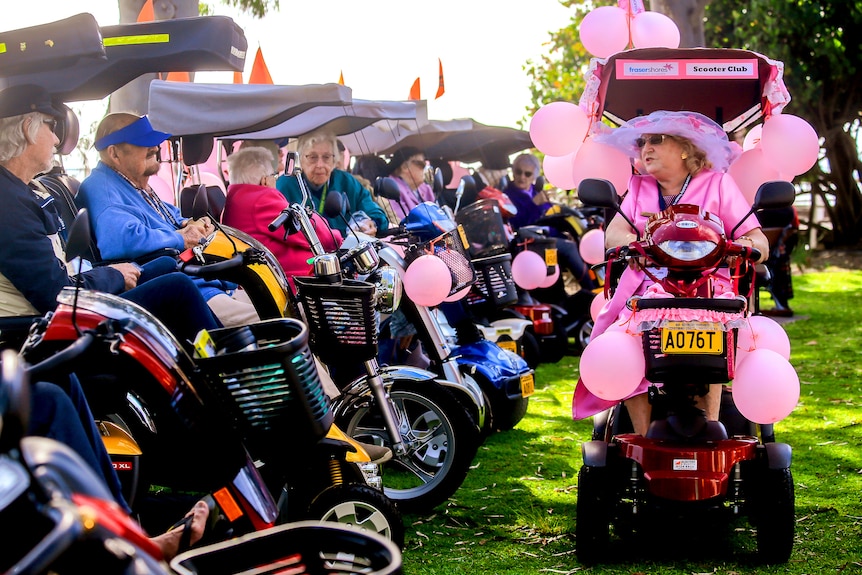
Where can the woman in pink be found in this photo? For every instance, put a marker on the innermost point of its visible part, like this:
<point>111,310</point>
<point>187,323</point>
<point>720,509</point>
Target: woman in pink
<point>407,168</point>
<point>685,156</point>
<point>253,202</point>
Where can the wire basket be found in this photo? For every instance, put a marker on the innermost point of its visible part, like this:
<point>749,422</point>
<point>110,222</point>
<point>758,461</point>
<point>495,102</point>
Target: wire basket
<point>341,318</point>
<point>494,280</point>
<point>484,228</point>
<point>265,378</point>
<point>451,247</point>
<point>300,548</point>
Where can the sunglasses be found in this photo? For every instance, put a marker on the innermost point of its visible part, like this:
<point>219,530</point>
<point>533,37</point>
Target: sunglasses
<point>520,172</point>
<point>52,123</point>
<point>653,139</point>
<point>418,163</point>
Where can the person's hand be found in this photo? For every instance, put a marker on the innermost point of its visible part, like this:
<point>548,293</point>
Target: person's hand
<point>204,223</point>
<point>268,181</point>
<point>193,234</point>
<point>368,227</point>
<point>195,521</point>
<point>131,272</point>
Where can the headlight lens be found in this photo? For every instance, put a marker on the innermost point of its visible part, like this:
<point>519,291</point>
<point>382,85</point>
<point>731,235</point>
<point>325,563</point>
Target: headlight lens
<point>388,288</point>
<point>687,251</point>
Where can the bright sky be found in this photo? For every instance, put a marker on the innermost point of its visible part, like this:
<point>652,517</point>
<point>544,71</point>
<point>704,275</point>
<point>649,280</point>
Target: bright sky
<point>381,46</point>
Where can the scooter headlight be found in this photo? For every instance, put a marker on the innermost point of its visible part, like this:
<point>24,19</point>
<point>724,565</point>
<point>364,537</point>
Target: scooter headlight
<point>688,251</point>
<point>388,288</point>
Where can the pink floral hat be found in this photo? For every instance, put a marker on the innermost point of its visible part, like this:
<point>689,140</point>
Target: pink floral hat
<point>702,131</point>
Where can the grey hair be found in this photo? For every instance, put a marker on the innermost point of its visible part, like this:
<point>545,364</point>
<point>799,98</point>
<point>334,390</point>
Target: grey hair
<point>13,139</point>
<point>310,140</point>
<point>529,159</point>
<point>249,165</point>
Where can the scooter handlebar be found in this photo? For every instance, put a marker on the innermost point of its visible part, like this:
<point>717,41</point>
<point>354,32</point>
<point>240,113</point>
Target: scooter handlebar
<point>212,271</point>
<point>68,354</point>
<point>279,220</point>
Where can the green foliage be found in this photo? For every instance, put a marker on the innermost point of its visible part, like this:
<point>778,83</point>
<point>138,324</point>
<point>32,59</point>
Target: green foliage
<point>257,8</point>
<point>515,513</point>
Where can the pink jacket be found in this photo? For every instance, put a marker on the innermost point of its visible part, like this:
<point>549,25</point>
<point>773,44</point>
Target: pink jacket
<point>250,208</point>
<point>713,191</point>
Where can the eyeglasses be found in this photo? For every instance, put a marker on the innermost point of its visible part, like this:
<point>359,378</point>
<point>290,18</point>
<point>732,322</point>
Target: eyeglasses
<point>52,122</point>
<point>520,172</point>
<point>314,158</point>
<point>418,163</point>
<point>653,139</point>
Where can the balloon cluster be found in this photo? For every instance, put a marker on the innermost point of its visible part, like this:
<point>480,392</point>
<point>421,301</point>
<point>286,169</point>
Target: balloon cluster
<point>607,29</point>
<point>529,271</point>
<point>782,147</point>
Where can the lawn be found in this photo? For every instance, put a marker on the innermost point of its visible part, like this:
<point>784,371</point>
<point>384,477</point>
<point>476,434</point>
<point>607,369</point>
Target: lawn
<point>515,513</point>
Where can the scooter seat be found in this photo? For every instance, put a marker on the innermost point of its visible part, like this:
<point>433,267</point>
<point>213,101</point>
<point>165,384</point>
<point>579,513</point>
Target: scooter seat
<point>671,428</point>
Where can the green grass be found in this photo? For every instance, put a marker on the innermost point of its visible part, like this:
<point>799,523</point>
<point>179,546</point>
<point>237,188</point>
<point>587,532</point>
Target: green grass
<point>515,513</point>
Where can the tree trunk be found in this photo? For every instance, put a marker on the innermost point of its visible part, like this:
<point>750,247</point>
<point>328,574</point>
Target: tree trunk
<point>688,15</point>
<point>846,214</point>
<point>134,96</point>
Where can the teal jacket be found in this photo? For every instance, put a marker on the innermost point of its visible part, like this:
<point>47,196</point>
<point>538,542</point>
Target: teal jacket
<point>358,198</point>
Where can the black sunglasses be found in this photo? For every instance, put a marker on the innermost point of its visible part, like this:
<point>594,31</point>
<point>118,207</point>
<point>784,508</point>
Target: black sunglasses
<point>519,172</point>
<point>653,139</point>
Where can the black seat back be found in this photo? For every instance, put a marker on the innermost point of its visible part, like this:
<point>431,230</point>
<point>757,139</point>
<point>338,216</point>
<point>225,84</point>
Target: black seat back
<point>215,196</point>
<point>63,188</point>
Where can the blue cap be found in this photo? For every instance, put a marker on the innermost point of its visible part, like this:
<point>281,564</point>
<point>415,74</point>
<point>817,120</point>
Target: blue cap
<point>138,133</point>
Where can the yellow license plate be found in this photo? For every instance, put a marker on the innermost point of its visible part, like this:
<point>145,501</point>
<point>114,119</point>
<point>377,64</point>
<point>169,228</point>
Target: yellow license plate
<point>528,386</point>
<point>551,257</point>
<point>688,338</point>
<point>508,345</point>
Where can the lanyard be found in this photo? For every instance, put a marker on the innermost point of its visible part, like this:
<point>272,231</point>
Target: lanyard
<point>323,197</point>
<point>676,198</point>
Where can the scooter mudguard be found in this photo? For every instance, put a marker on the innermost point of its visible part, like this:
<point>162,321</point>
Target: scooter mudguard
<point>595,453</point>
<point>502,368</point>
<point>778,455</point>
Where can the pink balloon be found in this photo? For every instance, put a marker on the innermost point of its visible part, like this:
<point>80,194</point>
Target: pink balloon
<point>558,170</point>
<point>163,189</point>
<point>210,179</point>
<point>763,333</point>
<point>612,365</point>
<point>605,31</point>
<point>551,278</point>
<point>558,128</point>
<point>750,170</point>
<point>458,295</point>
<point>654,30</point>
<point>427,280</point>
<point>592,246</point>
<point>790,144</point>
<point>752,138</point>
<point>766,387</point>
<point>529,270</point>
<point>597,304</point>
<point>595,160</point>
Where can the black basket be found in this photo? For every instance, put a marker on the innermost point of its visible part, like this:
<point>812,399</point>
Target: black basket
<point>494,280</point>
<point>451,247</point>
<point>265,378</point>
<point>341,318</point>
<point>678,368</point>
<point>304,547</point>
<point>484,228</point>
<point>545,247</point>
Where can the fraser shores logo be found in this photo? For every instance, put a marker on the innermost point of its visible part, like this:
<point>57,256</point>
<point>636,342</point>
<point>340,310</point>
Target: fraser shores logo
<point>686,69</point>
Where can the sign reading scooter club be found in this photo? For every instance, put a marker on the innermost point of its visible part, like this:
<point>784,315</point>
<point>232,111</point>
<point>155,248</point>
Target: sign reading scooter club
<point>685,69</point>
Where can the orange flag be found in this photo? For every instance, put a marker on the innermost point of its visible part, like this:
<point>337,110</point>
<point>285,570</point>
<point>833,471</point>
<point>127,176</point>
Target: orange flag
<point>178,77</point>
<point>237,77</point>
<point>440,88</point>
<point>147,13</point>
<point>259,71</point>
<point>414,91</point>
<point>341,78</point>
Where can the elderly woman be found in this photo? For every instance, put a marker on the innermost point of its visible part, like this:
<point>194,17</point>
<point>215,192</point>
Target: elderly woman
<point>318,154</point>
<point>252,203</point>
<point>685,156</point>
<point>407,168</point>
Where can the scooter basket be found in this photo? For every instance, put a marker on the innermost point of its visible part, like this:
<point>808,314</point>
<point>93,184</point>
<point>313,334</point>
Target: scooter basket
<point>484,228</point>
<point>666,366</point>
<point>451,247</point>
<point>264,377</point>
<point>494,280</point>
<point>341,318</point>
<point>303,547</point>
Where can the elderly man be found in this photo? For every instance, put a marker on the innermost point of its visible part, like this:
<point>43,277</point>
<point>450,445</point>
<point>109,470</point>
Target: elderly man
<point>318,156</point>
<point>129,218</point>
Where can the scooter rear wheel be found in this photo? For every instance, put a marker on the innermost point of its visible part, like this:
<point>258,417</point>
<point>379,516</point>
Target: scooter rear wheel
<point>775,515</point>
<point>440,438</point>
<point>361,506</point>
<point>593,522</point>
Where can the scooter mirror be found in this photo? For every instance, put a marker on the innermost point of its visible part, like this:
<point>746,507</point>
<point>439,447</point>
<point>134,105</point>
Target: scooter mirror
<point>334,205</point>
<point>67,132</point>
<point>78,241</point>
<point>14,401</point>
<point>598,193</point>
<point>776,194</point>
<point>540,183</point>
<point>387,188</point>
<point>438,185</point>
<point>201,203</point>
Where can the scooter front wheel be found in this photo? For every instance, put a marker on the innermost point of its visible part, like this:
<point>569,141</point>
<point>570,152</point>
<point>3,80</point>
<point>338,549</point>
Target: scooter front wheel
<point>440,440</point>
<point>361,506</point>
